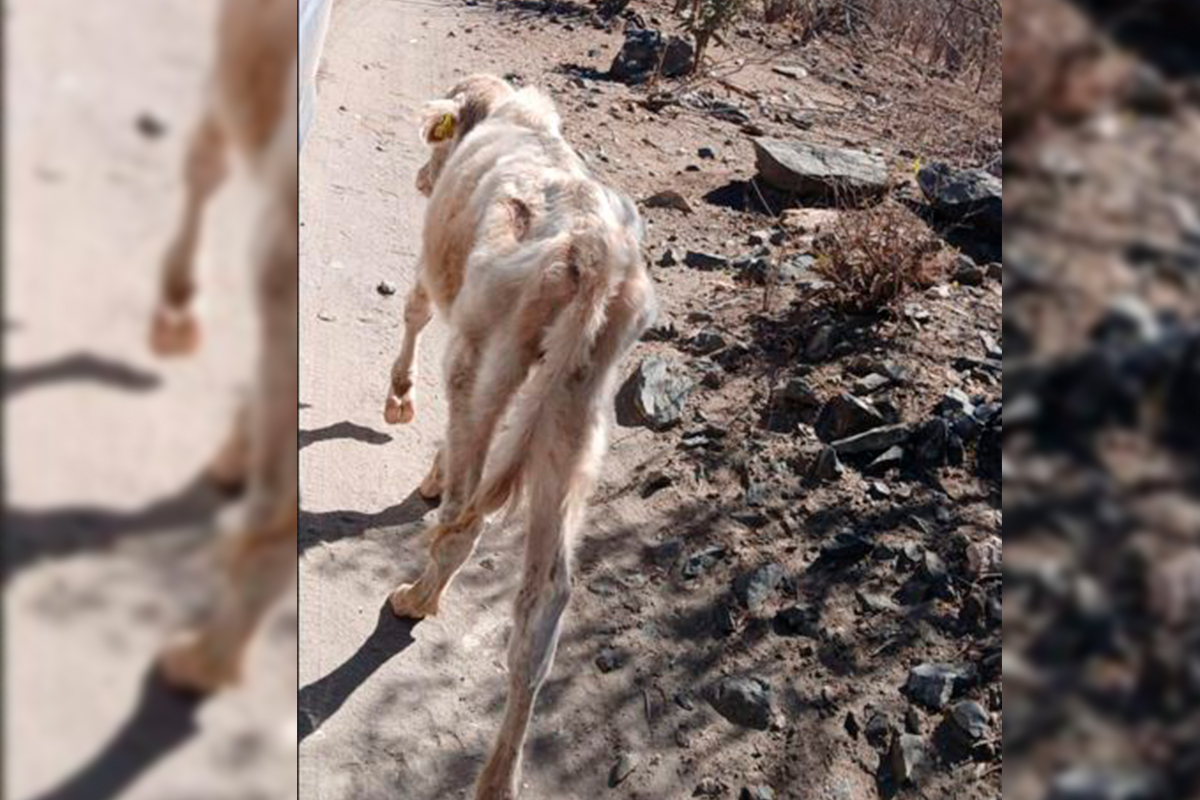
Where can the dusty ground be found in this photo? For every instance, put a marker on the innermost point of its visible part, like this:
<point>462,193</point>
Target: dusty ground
<point>106,529</point>
<point>387,707</point>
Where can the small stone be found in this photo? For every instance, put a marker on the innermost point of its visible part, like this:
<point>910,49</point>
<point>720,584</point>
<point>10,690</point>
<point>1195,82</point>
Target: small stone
<point>754,589</point>
<point>1104,783</point>
<point>710,787</point>
<point>706,342</point>
<point>874,440</point>
<point>908,758</point>
<point>878,731</point>
<point>933,685</point>
<point>826,467</point>
<point>846,548</point>
<point>705,261</point>
<point>797,394</point>
<point>611,659</point>
<point>845,415</point>
<point>966,272</point>
<point>869,384</point>
<point>700,562</point>
<point>986,557</point>
<point>626,764</point>
<point>150,126</point>
<point>970,719</point>
<point>655,395</point>
<point>757,793</point>
<point>820,344</point>
<point>386,288</point>
<point>796,621</point>
<point>706,153</point>
<point>745,701</point>
<point>668,198</point>
<point>890,458</point>
<point>670,258</point>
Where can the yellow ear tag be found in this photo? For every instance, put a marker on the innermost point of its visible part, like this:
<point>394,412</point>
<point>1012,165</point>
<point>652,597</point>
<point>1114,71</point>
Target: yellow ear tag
<point>444,129</point>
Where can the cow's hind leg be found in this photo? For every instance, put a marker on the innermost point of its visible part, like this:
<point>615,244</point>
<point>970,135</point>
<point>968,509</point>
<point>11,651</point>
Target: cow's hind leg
<point>557,498</point>
<point>477,401</point>
<point>175,329</point>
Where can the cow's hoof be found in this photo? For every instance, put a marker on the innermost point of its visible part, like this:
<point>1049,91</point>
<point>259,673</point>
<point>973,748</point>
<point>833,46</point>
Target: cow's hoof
<point>495,784</point>
<point>430,489</point>
<point>174,332</point>
<point>188,664</point>
<point>399,410</point>
<point>407,604</point>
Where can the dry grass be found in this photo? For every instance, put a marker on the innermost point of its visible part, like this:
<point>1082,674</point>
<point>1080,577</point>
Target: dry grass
<point>961,36</point>
<point>873,258</point>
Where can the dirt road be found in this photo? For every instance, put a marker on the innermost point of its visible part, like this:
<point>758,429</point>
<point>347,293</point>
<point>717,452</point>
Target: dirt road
<point>387,709</point>
<point>106,527</point>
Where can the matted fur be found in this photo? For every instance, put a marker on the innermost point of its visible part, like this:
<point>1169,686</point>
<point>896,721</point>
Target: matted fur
<point>538,270</point>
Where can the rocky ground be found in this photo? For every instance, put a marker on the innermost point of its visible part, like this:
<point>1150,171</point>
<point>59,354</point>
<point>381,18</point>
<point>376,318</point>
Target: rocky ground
<point>1102,572</point>
<point>789,585</point>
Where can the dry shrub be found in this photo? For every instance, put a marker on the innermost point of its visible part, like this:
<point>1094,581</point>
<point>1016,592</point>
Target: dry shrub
<point>961,36</point>
<point>872,258</point>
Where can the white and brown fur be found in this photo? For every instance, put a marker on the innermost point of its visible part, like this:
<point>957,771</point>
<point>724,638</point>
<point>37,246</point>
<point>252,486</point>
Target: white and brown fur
<point>537,269</point>
<point>251,110</point>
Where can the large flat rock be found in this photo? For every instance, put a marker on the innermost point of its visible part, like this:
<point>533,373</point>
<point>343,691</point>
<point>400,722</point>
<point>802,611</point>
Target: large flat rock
<point>813,169</point>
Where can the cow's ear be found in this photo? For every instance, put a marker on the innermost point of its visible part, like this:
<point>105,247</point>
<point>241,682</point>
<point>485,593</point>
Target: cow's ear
<point>440,121</point>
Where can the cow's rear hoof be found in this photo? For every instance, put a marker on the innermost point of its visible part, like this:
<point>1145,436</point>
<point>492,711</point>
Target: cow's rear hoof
<point>187,664</point>
<point>399,410</point>
<point>174,332</point>
<point>407,603</point>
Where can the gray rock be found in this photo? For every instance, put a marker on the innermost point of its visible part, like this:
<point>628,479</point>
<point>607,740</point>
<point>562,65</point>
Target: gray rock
<point>820,344</point>
<point>710,787</point>
<point>892,457</point>
<point>670,258</point>
<point>706,342</point>
<point>745,701</point>
<point>966,272</point>
<point>702,561</point>
<point>874,440</point>
<point>970,719</point>
<point>797,395</point>
<point>757,793</point>
<point>1103,783</point>
<point>908,758</point>
<point>386,288</point>
<point>811,169</point>
<point>705,261</point>
<point>826,466</point>
<point>796,621</point>
<point>869,384</point>
<point>642,50</point>
<point>753,589</point>
<point>933,685</point>
<point>625,766</point>
<point>971,196</point>
<point>668,198</point>
<point>845,415</point>
<point>611,659</point>
<point>655,395</point>
<point>878,730</point>
<point>845,548</point>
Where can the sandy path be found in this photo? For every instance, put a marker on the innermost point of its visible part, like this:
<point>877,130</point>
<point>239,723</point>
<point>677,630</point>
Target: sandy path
<point>107,535</point>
